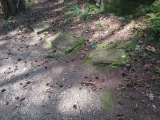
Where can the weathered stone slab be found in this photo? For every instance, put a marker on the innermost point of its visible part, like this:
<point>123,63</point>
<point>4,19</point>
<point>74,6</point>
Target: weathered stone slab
<point>107,56</point>
<point>63,42</point>
<point>40,27</point>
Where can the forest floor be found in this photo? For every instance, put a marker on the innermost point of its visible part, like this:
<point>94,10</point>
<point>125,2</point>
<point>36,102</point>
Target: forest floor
<point>33,87</point>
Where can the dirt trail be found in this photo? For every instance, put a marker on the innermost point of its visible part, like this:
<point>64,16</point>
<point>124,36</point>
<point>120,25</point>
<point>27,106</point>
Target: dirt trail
<point>37,88</point>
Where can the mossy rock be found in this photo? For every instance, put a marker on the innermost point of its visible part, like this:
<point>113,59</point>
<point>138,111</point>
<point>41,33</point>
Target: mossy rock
<point>41,27</point>
<point>65,42</point>
<point>108,56</point>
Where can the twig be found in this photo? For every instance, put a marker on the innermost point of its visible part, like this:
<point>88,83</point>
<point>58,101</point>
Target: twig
<point>79,110</point>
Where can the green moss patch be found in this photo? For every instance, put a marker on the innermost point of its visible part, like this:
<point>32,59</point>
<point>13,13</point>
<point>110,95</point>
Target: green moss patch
<point>108,100</point>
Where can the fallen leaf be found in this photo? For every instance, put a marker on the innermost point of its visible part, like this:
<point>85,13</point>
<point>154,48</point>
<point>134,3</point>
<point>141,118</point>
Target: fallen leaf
<point>150,48</point>
<point>151,96</point>
<point>70,85</point>
<point>3,90</point>
<point>75,106</point>
<point>17,98</point>
<point>22,99</point>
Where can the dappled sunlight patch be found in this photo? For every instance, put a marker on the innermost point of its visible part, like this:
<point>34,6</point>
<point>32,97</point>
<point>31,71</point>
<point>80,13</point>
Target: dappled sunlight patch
<point>121,35</point>
<point>74,101</point>
<point>38,94</point>
<point>11,71</point>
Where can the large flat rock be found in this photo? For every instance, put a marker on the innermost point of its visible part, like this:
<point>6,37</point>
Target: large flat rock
<point>107,56</point>
<point>41,27</point>
<point>64,42</point>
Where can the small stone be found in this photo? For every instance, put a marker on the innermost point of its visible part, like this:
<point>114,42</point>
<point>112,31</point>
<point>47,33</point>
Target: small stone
<point>122,18</point>
<point>154,106</point>
<point>6,103</point>
<point>123,88</point>
<point>61,86</point>
<point>138,48</point>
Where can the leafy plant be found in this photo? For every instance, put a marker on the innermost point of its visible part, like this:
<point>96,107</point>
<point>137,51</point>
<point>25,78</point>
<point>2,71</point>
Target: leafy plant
<point>86,16</point>
<point>152,29</point>
<point>9,21</point>
<point>106,45</point>
<point>123,96</point>
<point>158,71</point>
<point>76,9</point>
<point>101,26</point>
<point>126,59</point>
<point>72,10</point>
<point>28,9</point>
<point>113,66</point>
<point>90,12</point>
<point>145,55</point>
<point>129,45</point>
<point>93,45</point>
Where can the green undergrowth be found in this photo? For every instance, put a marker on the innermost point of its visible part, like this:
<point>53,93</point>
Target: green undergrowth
<point>8,21</point>
<point>28,9</point>
<point>90,12</point>
<point>127,8</point>
<point>87,13</point>
<point>152,29</point>
<point>72,11</point>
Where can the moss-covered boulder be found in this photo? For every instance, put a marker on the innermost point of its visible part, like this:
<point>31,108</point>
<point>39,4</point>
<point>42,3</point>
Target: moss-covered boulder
<point>41,27</point>
<point>108,56</point>
<point>64,42</point>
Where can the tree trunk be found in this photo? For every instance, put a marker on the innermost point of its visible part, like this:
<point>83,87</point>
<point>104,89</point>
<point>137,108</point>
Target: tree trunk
<point>12,7</point>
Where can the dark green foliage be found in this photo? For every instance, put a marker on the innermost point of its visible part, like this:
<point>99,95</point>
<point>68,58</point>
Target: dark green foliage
<point>90,12</point>
<point>153,19</point>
